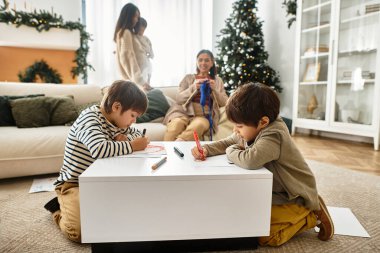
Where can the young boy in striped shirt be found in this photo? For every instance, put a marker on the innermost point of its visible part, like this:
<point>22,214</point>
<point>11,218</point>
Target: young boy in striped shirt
<point>98,132</point>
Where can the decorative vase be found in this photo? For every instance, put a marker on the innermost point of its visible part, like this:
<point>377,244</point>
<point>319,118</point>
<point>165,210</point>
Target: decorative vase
<point>312,105</point>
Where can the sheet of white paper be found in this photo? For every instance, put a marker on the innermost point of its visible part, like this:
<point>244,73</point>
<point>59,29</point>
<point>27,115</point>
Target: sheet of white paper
<point>345,222</point>
<point>214,161</point>
<point>43,185</point>
<point>155,150</point>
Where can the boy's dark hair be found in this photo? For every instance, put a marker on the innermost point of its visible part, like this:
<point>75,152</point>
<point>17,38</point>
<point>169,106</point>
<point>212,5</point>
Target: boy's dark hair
<point>125,20</point>
<point>252,101</point>
<point>128,94</point>
<point>141,23</point>
<point>213,68</point>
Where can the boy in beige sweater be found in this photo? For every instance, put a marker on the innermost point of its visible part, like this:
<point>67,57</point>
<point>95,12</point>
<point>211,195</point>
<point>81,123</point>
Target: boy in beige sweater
<point>261,139</point>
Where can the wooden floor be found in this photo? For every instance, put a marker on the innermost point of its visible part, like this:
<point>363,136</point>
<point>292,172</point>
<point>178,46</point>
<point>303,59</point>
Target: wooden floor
<point>352,155</point>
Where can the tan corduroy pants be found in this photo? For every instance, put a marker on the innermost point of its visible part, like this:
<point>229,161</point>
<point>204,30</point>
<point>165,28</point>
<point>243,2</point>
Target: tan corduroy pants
<point>288,221</point>
<point>183,127</point>
<point>68,218</point>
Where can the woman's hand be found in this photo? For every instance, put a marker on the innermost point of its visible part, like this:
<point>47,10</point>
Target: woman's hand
<point>197,155</point>
<point>198,82</point>
<point>139,143</point>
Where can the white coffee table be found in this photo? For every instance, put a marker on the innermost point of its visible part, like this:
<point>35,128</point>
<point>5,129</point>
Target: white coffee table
<point>124,200</point>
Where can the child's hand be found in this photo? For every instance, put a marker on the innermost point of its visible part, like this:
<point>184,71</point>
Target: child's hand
<point>120,137</point>
<point>139,143</point>
<point>197,155</point>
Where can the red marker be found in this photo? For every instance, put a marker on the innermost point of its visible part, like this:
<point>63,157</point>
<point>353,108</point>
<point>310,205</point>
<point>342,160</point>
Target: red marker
<point>199,145</point>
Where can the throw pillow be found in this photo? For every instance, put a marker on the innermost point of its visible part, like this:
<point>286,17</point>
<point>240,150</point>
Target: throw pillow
<point>62,110</point>
<point>157,106</point>
<point>80,108</point>
<point>43,111</point>
<point>30,112</point>
<point>6,118</point>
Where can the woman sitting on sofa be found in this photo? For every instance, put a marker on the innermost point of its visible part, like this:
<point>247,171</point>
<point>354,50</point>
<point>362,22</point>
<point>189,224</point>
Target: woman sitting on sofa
<point>197,103</point>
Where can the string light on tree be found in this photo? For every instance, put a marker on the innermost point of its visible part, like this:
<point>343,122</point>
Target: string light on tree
<point>242,44</point>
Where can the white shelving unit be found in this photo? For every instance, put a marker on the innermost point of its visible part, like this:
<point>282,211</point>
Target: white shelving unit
<point>23,36</point>
<point>337,79</point>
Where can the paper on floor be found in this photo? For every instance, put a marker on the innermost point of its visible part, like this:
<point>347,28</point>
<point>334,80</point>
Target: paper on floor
<point>43,185</point>
<point>345,222</point>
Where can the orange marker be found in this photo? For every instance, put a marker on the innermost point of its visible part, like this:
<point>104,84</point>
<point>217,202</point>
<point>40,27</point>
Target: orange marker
<point>199,145</point>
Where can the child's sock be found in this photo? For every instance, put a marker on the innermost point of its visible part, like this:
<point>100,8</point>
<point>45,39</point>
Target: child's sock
<point>53,205</point>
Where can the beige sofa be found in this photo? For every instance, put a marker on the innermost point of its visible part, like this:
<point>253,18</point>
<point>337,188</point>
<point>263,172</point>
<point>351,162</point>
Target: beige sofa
<point>34,151</point>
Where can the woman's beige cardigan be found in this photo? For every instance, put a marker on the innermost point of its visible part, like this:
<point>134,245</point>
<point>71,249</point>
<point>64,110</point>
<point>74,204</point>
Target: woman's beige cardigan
<point>126,57</point>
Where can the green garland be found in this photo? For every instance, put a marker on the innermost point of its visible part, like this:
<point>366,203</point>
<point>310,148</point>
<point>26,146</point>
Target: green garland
<point>41,69</point>
<point>291,9</point>
<point>44,20</point>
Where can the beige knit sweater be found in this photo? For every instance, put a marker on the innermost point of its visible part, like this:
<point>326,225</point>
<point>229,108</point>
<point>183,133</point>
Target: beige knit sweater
<point>129,68</point>
<point>273,148</point>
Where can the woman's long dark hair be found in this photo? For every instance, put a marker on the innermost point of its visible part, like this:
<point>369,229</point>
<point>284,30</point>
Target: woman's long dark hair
<point>213,68</point>
<point>125,19</point>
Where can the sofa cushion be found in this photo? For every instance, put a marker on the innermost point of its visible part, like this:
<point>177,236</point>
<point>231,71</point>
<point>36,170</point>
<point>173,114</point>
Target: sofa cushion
<point>6,117</point>
<point>32,143</point>
<point>154,131</point>
<point>43,111</point>
<point>157,106</point>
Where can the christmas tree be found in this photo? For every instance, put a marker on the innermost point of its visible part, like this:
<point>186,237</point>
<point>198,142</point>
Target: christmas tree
<point>242,57</point>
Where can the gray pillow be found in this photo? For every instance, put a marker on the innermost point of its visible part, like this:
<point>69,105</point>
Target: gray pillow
<point>6,118</point>
<point>43,111</point>
<point>30,112</point>
<point>62,110</point>
<point>157,106</point>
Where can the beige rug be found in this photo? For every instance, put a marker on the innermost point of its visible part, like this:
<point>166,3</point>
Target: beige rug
<point>25,226</point>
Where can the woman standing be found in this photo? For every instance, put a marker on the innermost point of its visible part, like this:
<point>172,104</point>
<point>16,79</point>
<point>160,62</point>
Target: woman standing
<point>127,45</point>
<point>197,103</point>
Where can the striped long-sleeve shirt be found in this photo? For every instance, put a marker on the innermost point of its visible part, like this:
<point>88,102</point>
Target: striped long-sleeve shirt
<point>90,138</point>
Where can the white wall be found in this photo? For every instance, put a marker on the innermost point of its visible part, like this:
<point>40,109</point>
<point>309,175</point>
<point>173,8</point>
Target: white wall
<point>279,42</point>
<point>221,11</point>
<point>69,9</point>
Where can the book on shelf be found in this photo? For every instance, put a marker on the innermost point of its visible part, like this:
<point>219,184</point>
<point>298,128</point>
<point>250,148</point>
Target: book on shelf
<point>347,75</point>
<point>313,50</point>
<point>372,8</point>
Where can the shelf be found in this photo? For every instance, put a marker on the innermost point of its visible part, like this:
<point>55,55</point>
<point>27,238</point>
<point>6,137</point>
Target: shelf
<point>315,56</point>
<point>316,7</point>
<point>366,81</point>
<point>365,16</point>
<point>27,37</point>
<point>322,27</point>
<point>357,52</point>
<point>314,83</point>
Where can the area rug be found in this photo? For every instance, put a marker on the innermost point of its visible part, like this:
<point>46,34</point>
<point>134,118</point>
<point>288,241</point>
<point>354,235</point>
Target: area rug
<point>26,227</point>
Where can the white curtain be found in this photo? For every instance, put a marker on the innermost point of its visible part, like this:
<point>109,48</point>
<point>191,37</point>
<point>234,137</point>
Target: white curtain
<point>178,30</point>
